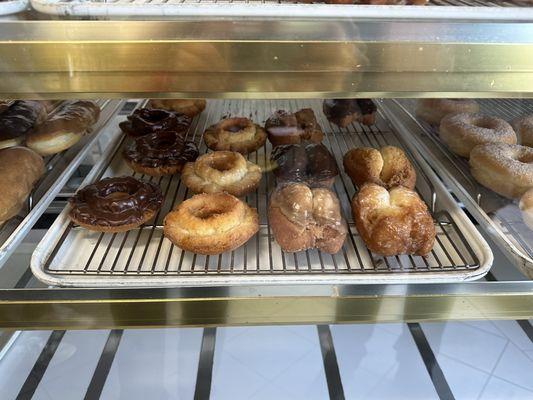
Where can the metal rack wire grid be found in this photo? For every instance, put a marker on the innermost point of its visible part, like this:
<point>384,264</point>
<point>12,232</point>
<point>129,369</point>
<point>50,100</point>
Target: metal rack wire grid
<point>145,251</point>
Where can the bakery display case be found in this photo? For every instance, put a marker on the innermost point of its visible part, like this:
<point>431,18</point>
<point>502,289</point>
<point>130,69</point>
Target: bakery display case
<point>251,59</point>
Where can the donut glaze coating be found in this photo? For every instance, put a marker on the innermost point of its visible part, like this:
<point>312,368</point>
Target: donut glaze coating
<point>145,121</point>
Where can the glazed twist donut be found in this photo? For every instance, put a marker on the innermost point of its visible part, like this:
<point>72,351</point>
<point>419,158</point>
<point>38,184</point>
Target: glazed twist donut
<point>303,218</point>
<point>393,222</point>
<point>506,169</point>
<point>235,134</point>
<point>211,223</point>
<point>388,167</point>
<point>221,171</point>
<point>434,110</point>
<point>462,132</point>
<point>524,129</point>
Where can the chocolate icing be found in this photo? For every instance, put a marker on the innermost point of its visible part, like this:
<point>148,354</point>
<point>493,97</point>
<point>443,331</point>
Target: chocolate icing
<point>73,116</point>
<point>20,117</point>
<point>115,201</point>
<point>163,148</point>
<point>301,122</point>
<point>146,120</point>
<point>339,108</point>
<point>306,162</point>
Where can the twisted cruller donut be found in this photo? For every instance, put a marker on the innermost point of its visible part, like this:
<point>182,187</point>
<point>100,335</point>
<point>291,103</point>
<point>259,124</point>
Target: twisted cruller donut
<point>393,222</point>
<point>434,110</point>
<point>211,223</point>
<point>462,132</point>
<point>388,167</point>
<point>505,168</point>
<point>303,218</point>
<point>189,107</point>
<point>524,129</point>
<point>221,171</point>
<point>526,206</point>
<point>235,134</point>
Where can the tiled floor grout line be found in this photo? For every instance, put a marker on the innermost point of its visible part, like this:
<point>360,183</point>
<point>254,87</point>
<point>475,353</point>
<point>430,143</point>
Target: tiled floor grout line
<point>491,374</point>
<point>103,367</point>
<point>430,361</point>
<point>331,367</point>
<point>41,365</point>
<point>204,376</point>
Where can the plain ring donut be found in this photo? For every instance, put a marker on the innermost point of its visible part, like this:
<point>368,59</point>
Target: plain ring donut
<point>506,169</point>
<point>211,223</point>
<point>235,134</point>
<point>221,171</point>
<point>434,110</point>
<point>524,129</point>
<point>462,132</point>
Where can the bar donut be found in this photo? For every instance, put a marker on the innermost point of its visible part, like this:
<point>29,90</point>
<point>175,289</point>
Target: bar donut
<point>462,132</point>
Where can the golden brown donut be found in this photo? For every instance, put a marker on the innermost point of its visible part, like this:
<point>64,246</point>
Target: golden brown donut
<point>388,167</point>
<point>434,110</point>
<point>462,132</point>
<point>287,128</point>
<point>189,107</point>
<point>506,169</point>
<point>526,206</point>
<point>235,134</point>
<point>393,222</point>
<point>211,223</point>
<point>524,129</point>
<point>303,218</point>
<point>221,171</point>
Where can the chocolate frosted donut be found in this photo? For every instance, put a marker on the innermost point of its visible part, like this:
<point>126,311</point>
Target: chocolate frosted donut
<point>306,162</point>
<point>286,128</point>
<point>18,119</point>
<point>343,112</point>
<point>160,153</point>
<point>146,120</point>
<point>115,204</point>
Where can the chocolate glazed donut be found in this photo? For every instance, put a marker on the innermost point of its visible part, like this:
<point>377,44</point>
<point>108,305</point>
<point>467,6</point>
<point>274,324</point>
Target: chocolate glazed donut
<point>160,153</point>
<point>146,120</point>
<point>115,204</point>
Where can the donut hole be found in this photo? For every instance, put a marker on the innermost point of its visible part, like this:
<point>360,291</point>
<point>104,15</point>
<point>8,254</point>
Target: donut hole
<point>208,211</point>
<point>154,116</point>
<point>525,158</point>
<point>117,196</point>
<point>222,165</point>
<point>483,123</point>
<point>235,125</point>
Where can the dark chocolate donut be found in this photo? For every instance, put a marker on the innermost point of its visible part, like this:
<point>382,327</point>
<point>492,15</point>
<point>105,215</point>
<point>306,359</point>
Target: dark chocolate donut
<point>160,153</point>
<point>287,128</point>
<point>20,117</point>
<point>343,112</point>
<point>115,204</point>
<point>147,120</point>
<point>306,162</point>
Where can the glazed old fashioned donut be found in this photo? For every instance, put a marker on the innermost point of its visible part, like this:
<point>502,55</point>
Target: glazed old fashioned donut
<point>462,132</point>
<point>306,162</point>
<point>506,169</point>
<point>235,134</point>
<point>303,218</point>
<point>189,107</point>
<point>434,110</point>
<point>393,222</point>
<point>221,171</point>
<point>145,121</point>
<point>115,204</point>
<point>343,112</point>
<point>287,128</point>
<point>160,153</point>
<point>526,206</point>
<point>387,166</point>
<point>211,223</point>
<point>524,129</point>
<point>63,127</point>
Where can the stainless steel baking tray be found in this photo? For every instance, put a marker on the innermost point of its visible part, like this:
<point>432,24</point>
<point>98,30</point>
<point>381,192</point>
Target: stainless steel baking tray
<point>500,217</point>
<point>71,256</point>
<point>59,168</point>
<point>512,10</point>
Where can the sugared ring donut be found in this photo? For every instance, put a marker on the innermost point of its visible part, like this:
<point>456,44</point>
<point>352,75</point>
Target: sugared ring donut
<point>160,153</point>
<point>434,110</point>
<point>506,169</point>
<point>211,223</point>
<point>115,204</point>
<point>462,132</point>
<point>146,120</point>
<point>221,171</point>
<point>526,206</point>
<point>524,129</point>
<point>189,107</point>
<point>235,134</point>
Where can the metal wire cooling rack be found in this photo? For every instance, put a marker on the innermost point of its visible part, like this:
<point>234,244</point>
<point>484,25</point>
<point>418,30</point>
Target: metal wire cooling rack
<point>504,213</point>
<point>76,255</point>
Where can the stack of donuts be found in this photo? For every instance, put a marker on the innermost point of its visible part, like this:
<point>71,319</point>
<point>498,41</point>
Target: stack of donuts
<point>500,155</point>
